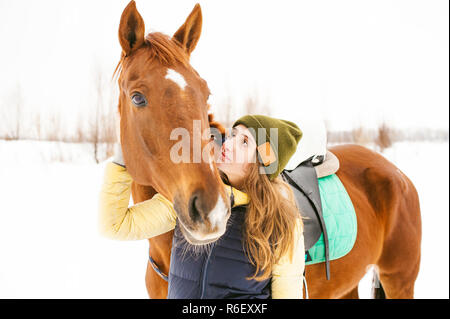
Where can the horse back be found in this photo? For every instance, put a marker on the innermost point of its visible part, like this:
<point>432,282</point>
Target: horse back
<point>392,197</point>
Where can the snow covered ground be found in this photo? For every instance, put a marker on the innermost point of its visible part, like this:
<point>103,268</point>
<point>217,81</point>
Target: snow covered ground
<point>50,247</point>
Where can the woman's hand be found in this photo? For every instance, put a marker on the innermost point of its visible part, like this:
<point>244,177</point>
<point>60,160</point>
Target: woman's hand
<point>118,155</point>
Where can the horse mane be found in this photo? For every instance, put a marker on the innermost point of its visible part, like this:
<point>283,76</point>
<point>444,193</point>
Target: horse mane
<point>166,50</point>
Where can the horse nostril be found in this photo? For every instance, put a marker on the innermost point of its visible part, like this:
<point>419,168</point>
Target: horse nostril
<point>194,211</point>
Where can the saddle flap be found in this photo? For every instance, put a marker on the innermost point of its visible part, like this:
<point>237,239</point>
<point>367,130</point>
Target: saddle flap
<point>303,182</point>
<point>304,176</point>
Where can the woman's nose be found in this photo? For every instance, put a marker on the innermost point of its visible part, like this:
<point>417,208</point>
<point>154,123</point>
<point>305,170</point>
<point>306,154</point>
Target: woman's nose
<point>227,145</point>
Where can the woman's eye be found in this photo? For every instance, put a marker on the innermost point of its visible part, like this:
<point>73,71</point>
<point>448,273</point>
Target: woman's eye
<point>139,100</point>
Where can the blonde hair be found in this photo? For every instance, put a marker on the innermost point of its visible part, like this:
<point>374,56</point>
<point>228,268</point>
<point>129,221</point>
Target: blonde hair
<point>270,221</point>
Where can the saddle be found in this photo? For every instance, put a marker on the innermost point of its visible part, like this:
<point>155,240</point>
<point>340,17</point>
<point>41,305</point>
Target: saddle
<point>303,180</point>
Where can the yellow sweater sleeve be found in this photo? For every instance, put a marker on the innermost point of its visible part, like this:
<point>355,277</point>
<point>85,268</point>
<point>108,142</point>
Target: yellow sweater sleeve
<point>144,220</point>
<point>287,274</point>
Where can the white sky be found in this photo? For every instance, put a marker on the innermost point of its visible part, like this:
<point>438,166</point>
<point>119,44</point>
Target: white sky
<point>351,62</point>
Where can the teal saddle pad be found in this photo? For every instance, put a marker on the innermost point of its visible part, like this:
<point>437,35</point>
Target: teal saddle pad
<point>340,221</point>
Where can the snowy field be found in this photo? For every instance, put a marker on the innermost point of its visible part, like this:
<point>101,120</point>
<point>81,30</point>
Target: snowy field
<point>50,247</point>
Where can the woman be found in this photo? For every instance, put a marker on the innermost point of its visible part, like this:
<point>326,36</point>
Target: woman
<point>261,254</point>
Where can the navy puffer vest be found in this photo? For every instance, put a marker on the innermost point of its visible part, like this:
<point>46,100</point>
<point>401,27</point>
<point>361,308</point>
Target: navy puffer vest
<point>217,273</point>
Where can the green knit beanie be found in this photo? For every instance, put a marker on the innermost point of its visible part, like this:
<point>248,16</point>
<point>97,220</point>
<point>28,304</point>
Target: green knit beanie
<point>282,144</point>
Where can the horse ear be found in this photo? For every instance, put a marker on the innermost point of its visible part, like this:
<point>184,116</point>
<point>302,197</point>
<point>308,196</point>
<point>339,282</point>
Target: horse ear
<point>131,29</point>
<point>189,33</point>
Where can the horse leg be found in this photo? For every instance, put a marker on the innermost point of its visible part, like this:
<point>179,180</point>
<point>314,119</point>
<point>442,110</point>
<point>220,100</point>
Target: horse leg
<point>400,258</point>
<point>398,280</point>
<point>160,247</point>
<point>398,272</point>
<point>156,286</point>
<point>377,287</point>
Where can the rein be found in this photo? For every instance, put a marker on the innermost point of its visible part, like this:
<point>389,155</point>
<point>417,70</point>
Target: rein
<point>157,270</point>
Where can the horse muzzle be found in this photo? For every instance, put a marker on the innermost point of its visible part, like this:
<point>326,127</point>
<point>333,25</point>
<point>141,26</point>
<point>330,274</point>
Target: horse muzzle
<point>199,224</point>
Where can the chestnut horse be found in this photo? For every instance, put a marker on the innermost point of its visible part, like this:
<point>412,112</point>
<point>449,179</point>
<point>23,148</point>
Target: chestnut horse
<point>152,103</point>
<point>161,93</point>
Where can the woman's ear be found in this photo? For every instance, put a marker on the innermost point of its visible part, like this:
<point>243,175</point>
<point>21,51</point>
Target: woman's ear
<point>189,33</point>
<point>131,29</point>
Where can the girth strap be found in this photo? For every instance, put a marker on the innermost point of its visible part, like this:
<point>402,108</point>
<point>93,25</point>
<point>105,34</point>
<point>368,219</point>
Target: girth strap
<point>157,270</point>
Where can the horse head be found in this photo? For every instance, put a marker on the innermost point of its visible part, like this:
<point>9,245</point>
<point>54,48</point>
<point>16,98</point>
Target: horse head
<point>160,93</point>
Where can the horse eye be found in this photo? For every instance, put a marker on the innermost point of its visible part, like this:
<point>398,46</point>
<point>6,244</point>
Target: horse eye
<point>139,100</point>
<point>217,138</point>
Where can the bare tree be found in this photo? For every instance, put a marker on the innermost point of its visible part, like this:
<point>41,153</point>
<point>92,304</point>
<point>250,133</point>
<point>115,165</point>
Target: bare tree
<point>102,121</point>
<point>362,136</point>
<point>384,138</point>
<point>18,103</point>
<point>255,105</point>
<point>11,114</point>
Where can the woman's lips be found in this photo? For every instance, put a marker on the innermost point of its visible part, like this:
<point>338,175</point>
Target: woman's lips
<point>224,157</point>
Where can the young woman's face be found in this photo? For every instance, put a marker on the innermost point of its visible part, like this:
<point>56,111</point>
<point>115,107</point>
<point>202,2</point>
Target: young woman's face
<point>238,152</point>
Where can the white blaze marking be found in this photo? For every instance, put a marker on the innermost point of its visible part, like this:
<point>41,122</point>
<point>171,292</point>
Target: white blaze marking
<point>217,215</point>
<point>176,77</point>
